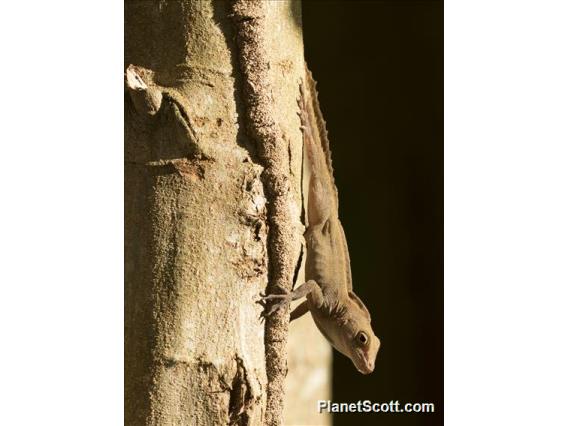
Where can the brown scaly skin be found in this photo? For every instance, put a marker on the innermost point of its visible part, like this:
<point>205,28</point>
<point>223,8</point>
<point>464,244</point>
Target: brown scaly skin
<point>337,311</point>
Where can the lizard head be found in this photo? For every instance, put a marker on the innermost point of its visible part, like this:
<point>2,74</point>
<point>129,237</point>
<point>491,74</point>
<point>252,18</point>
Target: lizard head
<point>359,342</point>
<point>353,336</point>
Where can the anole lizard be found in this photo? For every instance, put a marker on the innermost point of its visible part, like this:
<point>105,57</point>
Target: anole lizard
<point>337,311</point>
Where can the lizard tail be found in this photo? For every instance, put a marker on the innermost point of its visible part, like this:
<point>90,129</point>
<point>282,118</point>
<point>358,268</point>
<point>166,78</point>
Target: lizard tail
<point>322,195</point>
<point>319,121</point>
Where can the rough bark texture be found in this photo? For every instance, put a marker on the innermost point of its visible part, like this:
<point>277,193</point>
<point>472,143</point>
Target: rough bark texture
<point>213,157</point>
<point>256,52</point>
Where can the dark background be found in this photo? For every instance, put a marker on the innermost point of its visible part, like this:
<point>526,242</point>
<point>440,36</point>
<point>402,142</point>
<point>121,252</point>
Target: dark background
<point>379,67</point>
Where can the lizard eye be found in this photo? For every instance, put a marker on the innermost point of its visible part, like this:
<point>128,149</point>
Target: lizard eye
<point>362,337</point>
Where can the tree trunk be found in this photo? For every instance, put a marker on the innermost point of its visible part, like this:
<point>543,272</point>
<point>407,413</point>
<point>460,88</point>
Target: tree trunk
<point>213,166</point>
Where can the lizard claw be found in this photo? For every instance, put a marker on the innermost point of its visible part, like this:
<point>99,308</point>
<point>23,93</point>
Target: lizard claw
<point>280,301</point>
<point>275,296</point>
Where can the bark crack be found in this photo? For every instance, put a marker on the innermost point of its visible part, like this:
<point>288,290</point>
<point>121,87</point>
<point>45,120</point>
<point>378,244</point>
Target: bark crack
<point>241,396</point>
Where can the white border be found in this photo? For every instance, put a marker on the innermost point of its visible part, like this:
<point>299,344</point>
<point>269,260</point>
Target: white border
<point>506,212</point>
<point>61,189</point>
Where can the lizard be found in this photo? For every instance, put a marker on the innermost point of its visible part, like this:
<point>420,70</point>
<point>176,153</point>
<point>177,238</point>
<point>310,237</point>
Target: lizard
<point>337,311</point>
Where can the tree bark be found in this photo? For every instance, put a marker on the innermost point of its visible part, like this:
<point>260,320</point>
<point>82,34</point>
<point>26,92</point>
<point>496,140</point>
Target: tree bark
<point>213,204</point>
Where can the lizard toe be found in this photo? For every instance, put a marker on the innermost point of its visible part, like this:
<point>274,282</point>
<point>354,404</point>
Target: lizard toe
<point>274,296</point>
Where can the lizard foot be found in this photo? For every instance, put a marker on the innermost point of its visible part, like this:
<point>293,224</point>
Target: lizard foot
<point>280,301</point>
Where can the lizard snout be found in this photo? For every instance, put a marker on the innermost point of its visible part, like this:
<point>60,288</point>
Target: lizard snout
<point>364,363</point>
<point>364,359</point>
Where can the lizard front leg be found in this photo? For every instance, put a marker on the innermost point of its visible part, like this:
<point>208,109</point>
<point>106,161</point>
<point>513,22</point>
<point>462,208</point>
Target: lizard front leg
<point>299,310</point>
<point>283,300</point>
